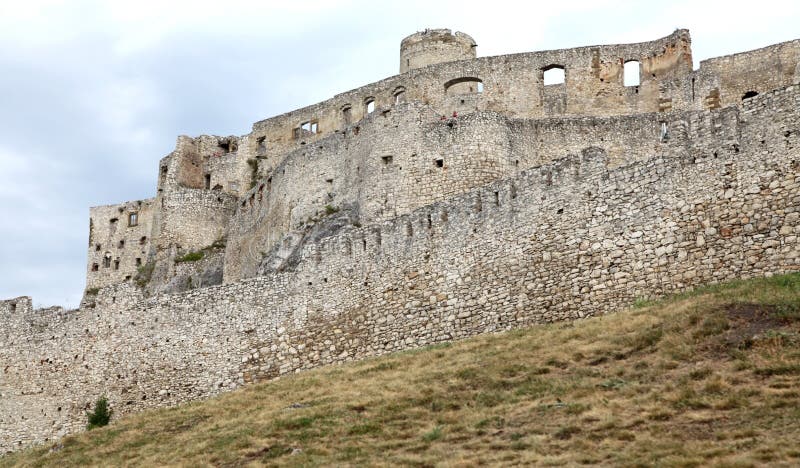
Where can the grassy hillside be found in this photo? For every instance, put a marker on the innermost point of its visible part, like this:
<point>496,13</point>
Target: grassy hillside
<point>708,377</point>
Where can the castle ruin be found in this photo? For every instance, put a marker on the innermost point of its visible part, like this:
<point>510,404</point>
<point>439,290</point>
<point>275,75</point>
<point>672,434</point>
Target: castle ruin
<point>462,196</point>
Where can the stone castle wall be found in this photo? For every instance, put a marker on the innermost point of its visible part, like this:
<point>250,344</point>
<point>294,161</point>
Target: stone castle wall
<point>315,157</point>
<point>578,236</point>
<point>119,241</point>
<point>403,159</point>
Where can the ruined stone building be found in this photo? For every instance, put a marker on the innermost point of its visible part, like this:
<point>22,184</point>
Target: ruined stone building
<point>464,195</point>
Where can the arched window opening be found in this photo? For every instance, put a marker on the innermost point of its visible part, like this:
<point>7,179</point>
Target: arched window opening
<point>107,260</point>
<point>749,94</point>
<point>399,95</point>
<point>369,105</point>
<point>463,85</point>
<point>347,114</point>
<point>554,75</point>
<point>631,73</point>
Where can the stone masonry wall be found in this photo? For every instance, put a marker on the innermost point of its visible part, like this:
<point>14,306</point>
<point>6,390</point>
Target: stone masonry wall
<point>445,79</point>
<point>406,158</point>
<point>568,239</point>
<point>118,243</point>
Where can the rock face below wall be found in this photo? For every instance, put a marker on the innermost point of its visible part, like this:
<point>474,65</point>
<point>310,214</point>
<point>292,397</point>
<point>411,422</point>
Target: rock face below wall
<point>561,241</point>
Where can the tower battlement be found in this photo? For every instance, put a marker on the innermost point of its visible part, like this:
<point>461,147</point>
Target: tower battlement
<point>433,46</point>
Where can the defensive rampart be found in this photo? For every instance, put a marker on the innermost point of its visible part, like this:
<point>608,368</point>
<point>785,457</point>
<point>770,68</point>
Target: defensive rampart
<point>579,236</point>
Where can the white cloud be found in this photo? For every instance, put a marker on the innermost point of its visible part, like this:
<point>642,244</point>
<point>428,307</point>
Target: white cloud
<point>100,89</point>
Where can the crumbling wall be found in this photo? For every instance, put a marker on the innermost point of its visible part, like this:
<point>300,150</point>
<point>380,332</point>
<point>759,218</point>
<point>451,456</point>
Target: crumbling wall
<point>728,80</point>
<point>572,238</point>
<point>404,158</point>
<point>120,239</point>
<point>433,46</point>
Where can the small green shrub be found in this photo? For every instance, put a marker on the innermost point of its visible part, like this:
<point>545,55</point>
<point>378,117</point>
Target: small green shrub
<point>92,291</point>
<point>101,414</point>
<point>643,302</point>
<point>191,257</point>
<point>253,163</point>
<point>144,273</point>
<point>329,209</point>
<point>434,434</point>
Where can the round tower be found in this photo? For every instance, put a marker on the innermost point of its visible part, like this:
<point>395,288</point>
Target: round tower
<point>435,46</point>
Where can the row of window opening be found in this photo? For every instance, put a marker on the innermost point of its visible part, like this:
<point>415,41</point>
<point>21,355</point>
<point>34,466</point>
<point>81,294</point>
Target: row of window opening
<point>107,262</point>
<point>556,74</point>
<point>121,244</point>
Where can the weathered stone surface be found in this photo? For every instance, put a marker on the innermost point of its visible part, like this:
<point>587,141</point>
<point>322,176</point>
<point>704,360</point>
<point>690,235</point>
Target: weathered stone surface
<point>550,203</point>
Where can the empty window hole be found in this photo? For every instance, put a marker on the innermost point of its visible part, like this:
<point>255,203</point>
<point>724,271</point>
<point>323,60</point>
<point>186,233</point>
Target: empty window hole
<point>749,94</point>
<point>553,75</point>
<point>631,76</point>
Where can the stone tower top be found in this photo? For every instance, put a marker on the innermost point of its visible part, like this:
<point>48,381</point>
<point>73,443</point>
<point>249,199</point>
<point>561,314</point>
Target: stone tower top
<point>435,46</point>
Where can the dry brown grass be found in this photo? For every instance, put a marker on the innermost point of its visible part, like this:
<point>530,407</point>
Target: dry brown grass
<point>705,378</point>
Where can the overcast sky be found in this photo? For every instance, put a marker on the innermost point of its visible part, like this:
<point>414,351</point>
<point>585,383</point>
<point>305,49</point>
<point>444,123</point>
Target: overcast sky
<point>94,93</point>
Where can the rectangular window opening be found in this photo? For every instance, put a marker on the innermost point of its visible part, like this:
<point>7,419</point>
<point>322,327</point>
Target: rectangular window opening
<point>553,75</point>
<point>439,162</point>
<point>133,219</point>
<point>631,76</point>
<point>387,159</point>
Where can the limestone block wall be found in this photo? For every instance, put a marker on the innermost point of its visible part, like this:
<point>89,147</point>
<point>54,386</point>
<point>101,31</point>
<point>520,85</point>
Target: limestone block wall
<point>119,241</point>
<point>405,157</point>
<point>572,238</point>
<point>725,81</point>
<point>194,218</point>
<point>513,85</point>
